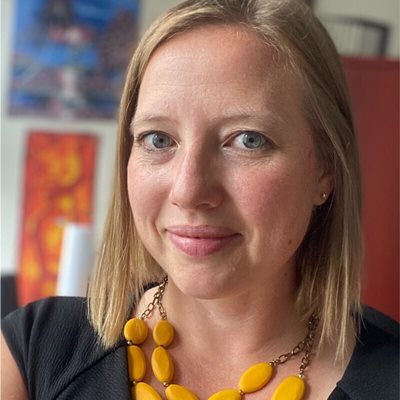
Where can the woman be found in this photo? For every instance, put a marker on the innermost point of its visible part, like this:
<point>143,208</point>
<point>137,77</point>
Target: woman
<point>238,191</point>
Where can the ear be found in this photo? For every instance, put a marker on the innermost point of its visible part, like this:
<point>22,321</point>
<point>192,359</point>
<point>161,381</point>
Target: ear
<point>324,188</point>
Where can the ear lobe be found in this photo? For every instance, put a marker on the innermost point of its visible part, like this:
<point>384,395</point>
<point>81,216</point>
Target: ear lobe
<point>325,188</point>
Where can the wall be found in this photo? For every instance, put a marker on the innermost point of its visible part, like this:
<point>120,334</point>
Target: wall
<point>13,130</point>
<point>13,135</point>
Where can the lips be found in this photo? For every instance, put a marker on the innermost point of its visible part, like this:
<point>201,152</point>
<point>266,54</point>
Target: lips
<point>202,240</point>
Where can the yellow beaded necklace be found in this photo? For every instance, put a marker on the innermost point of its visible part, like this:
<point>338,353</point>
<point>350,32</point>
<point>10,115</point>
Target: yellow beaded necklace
<point>252,380</point>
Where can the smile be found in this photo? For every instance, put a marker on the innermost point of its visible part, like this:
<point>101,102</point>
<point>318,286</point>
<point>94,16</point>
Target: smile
<point>200,241</point>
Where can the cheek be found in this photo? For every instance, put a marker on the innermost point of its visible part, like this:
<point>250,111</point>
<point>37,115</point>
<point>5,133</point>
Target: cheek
<point>278,203</point>
<point>139,187</point>
<point>146,189</point>
<point>134,184</point>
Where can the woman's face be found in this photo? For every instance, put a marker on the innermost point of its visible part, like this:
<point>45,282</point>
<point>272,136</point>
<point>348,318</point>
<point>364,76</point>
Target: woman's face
<point>223,174</point>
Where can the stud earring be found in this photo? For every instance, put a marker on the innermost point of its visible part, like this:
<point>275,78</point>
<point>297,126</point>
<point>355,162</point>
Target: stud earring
<point>324,196</point>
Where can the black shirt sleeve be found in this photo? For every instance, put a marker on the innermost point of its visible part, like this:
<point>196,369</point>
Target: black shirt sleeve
<point>35,335</point>
<point>55,348</point>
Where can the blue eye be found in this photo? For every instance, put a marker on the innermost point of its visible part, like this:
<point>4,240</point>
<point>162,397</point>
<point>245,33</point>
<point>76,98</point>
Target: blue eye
<point>157,140</point>
<point>250,140</point>
<point>253,140</point>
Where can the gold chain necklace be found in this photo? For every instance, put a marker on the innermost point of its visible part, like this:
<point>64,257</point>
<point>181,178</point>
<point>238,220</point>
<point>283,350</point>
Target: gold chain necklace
<point>252,380</point>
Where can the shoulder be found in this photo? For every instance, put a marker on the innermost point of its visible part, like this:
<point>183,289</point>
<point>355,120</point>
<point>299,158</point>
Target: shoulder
<point>52,341</point>
<point>375,319</point>
<point>374,367</point>
<point>55,320</point>
<point>49,309</point>
<point>378,339</point>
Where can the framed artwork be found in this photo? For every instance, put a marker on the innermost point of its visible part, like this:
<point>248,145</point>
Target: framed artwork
<point>58,188</point>
<point>70,56</point>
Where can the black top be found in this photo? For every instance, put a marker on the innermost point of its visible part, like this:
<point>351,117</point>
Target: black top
<point>59,357</point>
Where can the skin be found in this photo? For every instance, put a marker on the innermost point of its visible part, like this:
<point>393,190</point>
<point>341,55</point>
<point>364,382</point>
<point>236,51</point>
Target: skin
<point>12,384</point>
<point>200,91</point>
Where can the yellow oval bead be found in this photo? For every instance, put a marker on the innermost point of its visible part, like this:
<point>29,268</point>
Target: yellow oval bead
<point>255,377</point>
<point>177,392</point>
<point>163,333</point>
<point>143,391</point>
<point>136,363</point>
<point>227,394</point>
<point>136,330</point>
<point>162,365</point>
<point>291,388</point>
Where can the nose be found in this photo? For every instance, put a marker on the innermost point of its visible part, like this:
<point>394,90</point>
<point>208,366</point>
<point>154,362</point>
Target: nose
<point>197,182</point>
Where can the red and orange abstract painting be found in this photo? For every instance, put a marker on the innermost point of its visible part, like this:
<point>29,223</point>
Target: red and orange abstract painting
<point>58,188</point>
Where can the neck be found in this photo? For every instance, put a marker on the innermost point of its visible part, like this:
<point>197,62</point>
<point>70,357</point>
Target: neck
<point>262,321</point>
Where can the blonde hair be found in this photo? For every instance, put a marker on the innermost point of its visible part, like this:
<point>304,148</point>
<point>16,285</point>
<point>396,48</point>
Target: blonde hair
<point>330,257</point>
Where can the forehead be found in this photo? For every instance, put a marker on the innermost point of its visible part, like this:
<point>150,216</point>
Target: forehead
<point>228,42</point>
<point>218,48</point>
<point>228,65</point>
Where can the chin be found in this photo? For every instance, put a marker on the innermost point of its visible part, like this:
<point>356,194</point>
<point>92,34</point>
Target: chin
<point>207,285</point>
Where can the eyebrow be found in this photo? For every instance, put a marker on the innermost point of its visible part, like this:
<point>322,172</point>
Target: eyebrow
<point>146,118</point>
<point>271,118</point>
<point>263,117</point>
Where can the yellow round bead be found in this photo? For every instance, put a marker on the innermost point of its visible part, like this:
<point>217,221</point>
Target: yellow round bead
<point>143,391</point>
<point>163,333</point>
<point>162,365</point>
<point>136,363</point>
<point>227,394</point>
<point>291,388</point>
<point>255,377</point>
<point>177,392</point>
<point>136,330</point>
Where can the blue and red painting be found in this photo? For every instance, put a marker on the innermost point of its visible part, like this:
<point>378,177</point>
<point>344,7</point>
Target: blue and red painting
<point>70,56</point>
